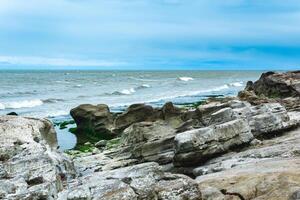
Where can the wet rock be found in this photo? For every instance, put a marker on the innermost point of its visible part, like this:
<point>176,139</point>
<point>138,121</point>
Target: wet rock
<point>12,113</point>
<point>93,121</point>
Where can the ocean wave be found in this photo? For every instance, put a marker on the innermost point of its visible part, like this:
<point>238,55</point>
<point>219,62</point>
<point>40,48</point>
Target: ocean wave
<point>130,90</point>
<point>143,86</point>
<point>236,84</point>
<point>77,86</point>
<point>125,92</point>
<point>21,104</point>
<point>185,78</point>
<point>52,100</point>
<point>2,106</point>
<point>12,94</point>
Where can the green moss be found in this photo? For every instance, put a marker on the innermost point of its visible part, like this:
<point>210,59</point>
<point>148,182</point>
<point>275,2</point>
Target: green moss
<point>64,125</point>
<point>73,130</point>
<point>192,105</point>
<point>85,148</point>
<point>113,143</point>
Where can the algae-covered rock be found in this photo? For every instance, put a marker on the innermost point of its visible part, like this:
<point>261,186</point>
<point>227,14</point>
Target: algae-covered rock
<point>93,122</point>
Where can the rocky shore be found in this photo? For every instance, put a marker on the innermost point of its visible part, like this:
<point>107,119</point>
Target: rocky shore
<point>247,147</point>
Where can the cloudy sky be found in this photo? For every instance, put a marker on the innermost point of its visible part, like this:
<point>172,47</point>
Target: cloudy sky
<point>150,34</point>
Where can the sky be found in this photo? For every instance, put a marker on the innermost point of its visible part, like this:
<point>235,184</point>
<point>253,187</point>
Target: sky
<point>150,34</point>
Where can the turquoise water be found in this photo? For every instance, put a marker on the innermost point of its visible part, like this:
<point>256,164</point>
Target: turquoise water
<point>52,94</point>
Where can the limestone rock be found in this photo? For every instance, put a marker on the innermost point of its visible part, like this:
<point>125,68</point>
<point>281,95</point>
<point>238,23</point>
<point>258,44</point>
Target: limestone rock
<point>134,113</point>
<point>30,165</point>
<point>199,145</point>
<point>269,179</point>
<point>93,120</point>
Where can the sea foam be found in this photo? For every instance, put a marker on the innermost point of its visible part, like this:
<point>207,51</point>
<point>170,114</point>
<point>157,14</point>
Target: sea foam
<point>185,78</point>
<point>21,104</point>
<point>236,84</point>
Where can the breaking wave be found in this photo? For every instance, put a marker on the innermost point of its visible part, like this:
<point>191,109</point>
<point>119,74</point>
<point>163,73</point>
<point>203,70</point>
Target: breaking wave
<point>236,84</point>
<point>131,90</point>
<point>186,79</point>
<point>52,100</point>
<point>21,104</point>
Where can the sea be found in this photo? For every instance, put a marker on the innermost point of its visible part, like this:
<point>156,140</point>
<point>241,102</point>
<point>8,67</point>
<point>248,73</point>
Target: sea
<point>52,94</point>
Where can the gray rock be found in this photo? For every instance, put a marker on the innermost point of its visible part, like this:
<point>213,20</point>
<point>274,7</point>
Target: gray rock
<point>146,131</point>
<point>222,116</point>
<point>101,144</point>
<point>95,120</point>
<point>30,165</point>
<point>134,113</point>
<point>199,145</point>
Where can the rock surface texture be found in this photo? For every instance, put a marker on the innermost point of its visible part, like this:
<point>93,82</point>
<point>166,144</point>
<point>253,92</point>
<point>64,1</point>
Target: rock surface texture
<point>274,87</point>
<point>221,150</point>
<point>30,165</point>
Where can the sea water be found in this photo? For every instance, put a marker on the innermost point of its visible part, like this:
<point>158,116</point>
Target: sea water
<point>52,94</point>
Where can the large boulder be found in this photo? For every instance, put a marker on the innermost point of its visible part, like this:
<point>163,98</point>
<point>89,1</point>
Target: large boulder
<point>146,131</point>
<point>135,113</point>
<point>199,145</point>
<point>281,85</point>
<point>268,179</point>
<point>93,121</point>
<point>274,87</point>
<point>30,165</point>
<point>143,181</point>
<point>150,141</point>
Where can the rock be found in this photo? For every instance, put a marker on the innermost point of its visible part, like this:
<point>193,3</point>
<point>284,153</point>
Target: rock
<point>160,151</point>
<point>277,148</point>
<point>143,181</point>
<point>169,110</point>
<point>146,131</point>
<point>281,85</point>
<point>12,113</point>
<point>274,87</point>
<point>211,193</point>
<point>207,109</point>
<point>30,165</point>
<point>101,144</point>
<point>150,141</point>
<point>199,145</point>
<point>177,187</point>
<point>93,121</point>
<point>134,113</point>
<point>268,179</point>
<point>222,116</point>
<point>268,119</point>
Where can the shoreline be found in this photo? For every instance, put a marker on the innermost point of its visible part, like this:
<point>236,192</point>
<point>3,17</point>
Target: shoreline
<point>245,147</point>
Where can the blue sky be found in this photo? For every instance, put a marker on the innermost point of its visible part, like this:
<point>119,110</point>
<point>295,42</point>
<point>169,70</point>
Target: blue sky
<point>150,34</point>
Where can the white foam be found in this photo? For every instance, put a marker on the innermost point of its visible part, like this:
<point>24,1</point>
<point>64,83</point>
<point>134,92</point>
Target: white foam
<point>143,86</point>
<point>146,86</point>
<point>128,91</point>
<point>236,84</point>
<point>185,78</point>
<point>2,107</point>
<point>23,104</point>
